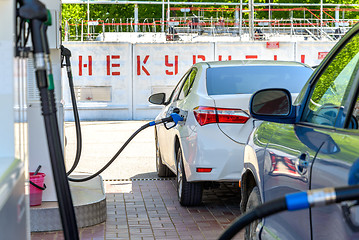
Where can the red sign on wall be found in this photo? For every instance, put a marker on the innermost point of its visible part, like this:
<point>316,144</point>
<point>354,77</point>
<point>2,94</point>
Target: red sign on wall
<point>321,55</point>
<point>272,45</point>
<point>251,56</point>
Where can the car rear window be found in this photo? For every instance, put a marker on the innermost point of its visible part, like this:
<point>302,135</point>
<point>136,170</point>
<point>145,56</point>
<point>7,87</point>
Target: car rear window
<point>249,79</point>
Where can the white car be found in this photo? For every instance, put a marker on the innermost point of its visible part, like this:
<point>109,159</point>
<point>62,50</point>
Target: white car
<point>214,97</point>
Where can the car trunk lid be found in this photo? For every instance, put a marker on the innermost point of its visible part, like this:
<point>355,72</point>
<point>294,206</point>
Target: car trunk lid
<point>233,104</point>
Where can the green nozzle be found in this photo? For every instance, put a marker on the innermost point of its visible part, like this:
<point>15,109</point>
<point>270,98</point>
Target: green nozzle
<point>49,20</point>
<point>51,82</point>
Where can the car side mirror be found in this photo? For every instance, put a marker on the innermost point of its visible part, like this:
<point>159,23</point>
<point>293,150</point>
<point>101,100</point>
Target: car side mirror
<point>273,105</point>
<point>157,98</point>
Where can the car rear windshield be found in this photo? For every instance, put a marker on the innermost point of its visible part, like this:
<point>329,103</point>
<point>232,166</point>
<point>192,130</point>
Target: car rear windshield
<point>249,79</point>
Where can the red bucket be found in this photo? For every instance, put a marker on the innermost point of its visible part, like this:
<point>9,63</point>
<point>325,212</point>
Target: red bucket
<point>36,187</point>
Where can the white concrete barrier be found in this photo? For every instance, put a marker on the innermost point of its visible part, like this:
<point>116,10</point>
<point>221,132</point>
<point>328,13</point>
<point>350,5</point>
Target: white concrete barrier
<point>284,51</point>
<point>158,67</point>
<point>312,53</point>
<point>102,75</point>
<point>114,80</point>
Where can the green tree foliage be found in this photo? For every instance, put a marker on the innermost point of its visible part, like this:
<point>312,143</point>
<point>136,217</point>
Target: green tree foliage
<point>76,13</point>
<point>333,84</point>
<point>103,11</point>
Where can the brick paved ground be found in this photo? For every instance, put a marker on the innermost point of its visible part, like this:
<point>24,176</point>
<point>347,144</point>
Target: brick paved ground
<point>143,209</point>
<point>148,209</point>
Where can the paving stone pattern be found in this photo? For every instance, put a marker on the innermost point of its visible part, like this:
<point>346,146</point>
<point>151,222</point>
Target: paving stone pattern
<point>138,208</point>
<point>149,209</point>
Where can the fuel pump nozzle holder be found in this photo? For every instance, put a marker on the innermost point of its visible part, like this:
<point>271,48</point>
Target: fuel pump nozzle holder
<point>36,13</point>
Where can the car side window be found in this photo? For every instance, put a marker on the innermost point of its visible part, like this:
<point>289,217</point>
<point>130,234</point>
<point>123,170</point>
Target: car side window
<point>176,90</point>
<point>188,84</point>
<point>330,95</point>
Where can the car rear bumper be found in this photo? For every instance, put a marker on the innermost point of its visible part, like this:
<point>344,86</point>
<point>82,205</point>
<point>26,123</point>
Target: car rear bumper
<point>210,148</point>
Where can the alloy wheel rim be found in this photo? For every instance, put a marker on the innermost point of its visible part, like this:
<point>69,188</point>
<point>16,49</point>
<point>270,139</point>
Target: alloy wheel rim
<point>157,156</point>
<point>179,178</point>
<point>252,230</point>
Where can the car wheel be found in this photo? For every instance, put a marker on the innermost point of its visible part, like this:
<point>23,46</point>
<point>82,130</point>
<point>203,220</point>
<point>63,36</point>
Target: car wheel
<point>254,200</point>
<point>189,193</point>
<point>162,169</point>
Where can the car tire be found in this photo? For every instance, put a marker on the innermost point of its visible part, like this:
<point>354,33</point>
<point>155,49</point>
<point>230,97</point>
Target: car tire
<point>254,200</point>
<point>189,193</point>
<point>162,169</point>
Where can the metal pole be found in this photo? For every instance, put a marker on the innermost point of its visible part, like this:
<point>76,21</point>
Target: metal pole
<point>251,16</point>
<point>88,18</point>
<point>66,30</point>
<point>270,17</point>
<point>337,9</point>
<point>168,12</point>
<point>240,20</point>
<point>103,31</point>
<point>136,18</point>
<point>82,30</point>
<point>236,18</point>
<point>291,24</point>
<point>163,16</point>
<point>321,19</point>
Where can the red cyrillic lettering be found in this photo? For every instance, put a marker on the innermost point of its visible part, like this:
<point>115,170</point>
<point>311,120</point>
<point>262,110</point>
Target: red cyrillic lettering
<point>89,65</point>
<point>139,67</point>
<point>195,57</point>
<point>171,65</point>
<point>109,65</point>
<point>302,58</point>
<point>228,59</point>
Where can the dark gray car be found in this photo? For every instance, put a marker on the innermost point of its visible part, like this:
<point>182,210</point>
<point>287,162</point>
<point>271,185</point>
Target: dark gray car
<point>311,144</point>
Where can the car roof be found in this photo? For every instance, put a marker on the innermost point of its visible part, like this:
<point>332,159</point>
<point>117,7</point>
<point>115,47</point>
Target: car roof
<point>234,63</point>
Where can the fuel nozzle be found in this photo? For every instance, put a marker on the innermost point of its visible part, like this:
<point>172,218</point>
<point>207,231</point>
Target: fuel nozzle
<point>33,9</point>
<point>174,117</point>
<point>66,54</point>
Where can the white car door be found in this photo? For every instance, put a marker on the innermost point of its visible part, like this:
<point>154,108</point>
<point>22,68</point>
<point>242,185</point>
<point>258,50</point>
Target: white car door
<point>166,136</point>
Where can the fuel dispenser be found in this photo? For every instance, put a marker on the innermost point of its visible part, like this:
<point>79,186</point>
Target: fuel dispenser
<point>14,212</point>
<point>33,19</point>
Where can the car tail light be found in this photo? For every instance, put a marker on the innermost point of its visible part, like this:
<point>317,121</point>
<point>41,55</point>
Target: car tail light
<point>207,115</point>
<point>205,170</point>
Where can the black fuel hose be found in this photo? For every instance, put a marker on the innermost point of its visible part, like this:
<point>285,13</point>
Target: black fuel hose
<point>173,118</point>
<point>113,158</point>
<point>293,202</point>
<point>259,212</point>
<point>66,53</point>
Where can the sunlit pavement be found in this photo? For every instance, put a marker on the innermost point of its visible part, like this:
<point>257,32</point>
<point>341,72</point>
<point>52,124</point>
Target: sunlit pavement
<point>141,205</point>
<point>148,209</point>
